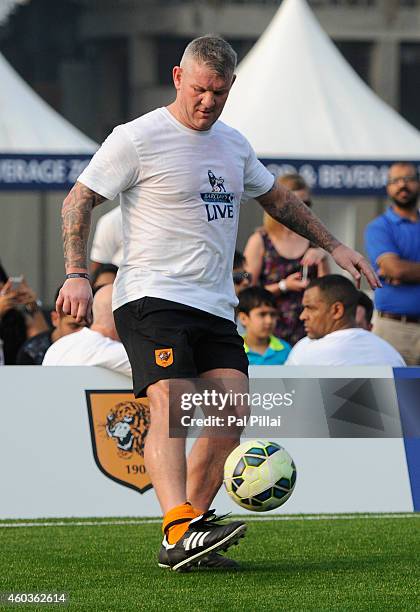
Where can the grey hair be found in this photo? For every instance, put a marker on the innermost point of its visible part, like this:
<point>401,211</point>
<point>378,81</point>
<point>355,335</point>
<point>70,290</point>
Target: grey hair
<point>213,51</point>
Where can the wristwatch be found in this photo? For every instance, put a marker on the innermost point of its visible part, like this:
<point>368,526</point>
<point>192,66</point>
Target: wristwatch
<point>283,285</point>
<point>32,307</point>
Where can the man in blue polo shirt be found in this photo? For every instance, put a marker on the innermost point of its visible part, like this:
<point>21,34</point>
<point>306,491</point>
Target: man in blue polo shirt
<point>393,246</point>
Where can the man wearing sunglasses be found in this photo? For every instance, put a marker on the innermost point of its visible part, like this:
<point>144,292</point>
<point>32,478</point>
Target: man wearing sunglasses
<point>241,278</point>
<point>393,245</point>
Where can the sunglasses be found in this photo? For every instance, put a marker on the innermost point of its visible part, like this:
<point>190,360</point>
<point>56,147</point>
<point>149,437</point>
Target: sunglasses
<point>239,277</point>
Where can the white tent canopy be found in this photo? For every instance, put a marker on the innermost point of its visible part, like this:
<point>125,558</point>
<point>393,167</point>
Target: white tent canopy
<point>296,97</point>
<point>40,151</point>
<point>30,125</point>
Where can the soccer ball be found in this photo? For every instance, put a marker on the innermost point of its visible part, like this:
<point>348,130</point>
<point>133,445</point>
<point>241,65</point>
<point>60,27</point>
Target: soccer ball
<point>259,475</point>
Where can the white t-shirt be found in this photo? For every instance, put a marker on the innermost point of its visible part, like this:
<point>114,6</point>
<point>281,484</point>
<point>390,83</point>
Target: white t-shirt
<point>180,195</point>
<point>88,347</point>
<point>344,347</point>
<point>107,246</point>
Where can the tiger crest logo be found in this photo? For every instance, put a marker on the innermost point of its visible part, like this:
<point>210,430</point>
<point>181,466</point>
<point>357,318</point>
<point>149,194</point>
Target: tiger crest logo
<point>164,357</point>
<point>118,425</point>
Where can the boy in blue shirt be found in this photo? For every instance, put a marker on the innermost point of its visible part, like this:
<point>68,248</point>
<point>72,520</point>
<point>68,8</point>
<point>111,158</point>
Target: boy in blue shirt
<point>257,313</point>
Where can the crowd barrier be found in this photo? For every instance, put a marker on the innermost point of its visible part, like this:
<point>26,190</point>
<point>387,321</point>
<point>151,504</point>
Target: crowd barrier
<point>72,439</point>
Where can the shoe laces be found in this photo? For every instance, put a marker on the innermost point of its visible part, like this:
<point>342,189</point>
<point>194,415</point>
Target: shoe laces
<point>210,518</point>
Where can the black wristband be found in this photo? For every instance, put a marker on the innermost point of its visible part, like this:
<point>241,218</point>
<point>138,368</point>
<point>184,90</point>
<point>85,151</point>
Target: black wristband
<point>78,275</point>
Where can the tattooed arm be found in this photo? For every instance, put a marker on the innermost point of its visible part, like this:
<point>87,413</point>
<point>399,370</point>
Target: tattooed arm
<point>75,296</point>
<point>281,204</point>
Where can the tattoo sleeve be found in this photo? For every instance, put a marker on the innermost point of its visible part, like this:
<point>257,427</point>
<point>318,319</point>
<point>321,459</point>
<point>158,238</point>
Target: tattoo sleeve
<point>281,204</point>
<point>76,216</point>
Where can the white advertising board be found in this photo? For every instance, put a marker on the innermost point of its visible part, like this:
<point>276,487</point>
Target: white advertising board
<point>50,462</point>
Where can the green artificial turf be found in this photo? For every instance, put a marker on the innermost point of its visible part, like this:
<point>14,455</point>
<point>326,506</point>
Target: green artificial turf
<point>346,564</point>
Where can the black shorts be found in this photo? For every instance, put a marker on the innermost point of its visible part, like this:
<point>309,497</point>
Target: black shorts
<point>164,340</point>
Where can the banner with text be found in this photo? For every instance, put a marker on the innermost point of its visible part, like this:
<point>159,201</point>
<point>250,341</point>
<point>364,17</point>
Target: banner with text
<point>40,172</point>
<point>324,177</point>
<point>336,177</point>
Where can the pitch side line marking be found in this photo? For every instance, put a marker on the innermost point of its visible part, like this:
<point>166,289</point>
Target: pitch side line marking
<point>251,519</point>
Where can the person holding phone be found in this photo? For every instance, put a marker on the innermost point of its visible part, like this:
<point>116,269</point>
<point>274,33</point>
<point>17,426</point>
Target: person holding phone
<point>20,315</point>
<point>284,262</point>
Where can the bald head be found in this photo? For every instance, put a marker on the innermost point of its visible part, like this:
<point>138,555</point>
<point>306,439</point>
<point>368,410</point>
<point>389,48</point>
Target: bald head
<point>103,319</point>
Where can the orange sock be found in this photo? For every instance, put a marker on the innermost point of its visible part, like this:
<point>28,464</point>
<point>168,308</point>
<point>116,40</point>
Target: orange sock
<point>177,520</point>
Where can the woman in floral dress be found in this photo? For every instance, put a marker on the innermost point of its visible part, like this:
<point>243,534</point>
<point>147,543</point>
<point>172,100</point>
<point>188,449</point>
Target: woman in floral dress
<point>284,263</point>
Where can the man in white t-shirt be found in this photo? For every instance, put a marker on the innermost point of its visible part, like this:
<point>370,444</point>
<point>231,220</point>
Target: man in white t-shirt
<point>107,245</point>
<point>333,338</point>
<point>98,345</point>
<point>181,175</point>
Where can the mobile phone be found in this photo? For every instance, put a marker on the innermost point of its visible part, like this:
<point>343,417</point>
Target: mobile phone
<point>304,273</point>
<point>16,282</point>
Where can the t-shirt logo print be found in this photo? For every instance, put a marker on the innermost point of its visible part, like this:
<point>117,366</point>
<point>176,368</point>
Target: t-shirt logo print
<point>218,202</point>
<point>164,357</point>
<point>217,184</point>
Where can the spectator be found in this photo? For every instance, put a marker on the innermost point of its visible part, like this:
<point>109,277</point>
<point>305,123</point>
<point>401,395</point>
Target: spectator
<point>20,316</point>
<point>103,275</point>
<point>107,245</point>
<point>33,350</point>
<point>241,278</point>
<point>279,260</point>
<point>393,246</point>
<point>257,313</point>
<point>329,311</point>
<point>364,312</point>
<point>98,345</point>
